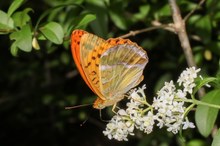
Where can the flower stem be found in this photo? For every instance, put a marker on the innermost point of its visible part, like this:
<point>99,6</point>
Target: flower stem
<point>206,104</point>
<point>188,109</point>
<point>198,102</point>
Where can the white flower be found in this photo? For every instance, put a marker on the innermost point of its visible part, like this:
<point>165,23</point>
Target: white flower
<point>119,127</point>
<point>169,110</point>
<point>187,124</point>
<point>207,85</point>
<point>148,123</point>
<point>187,78</point>
<point>160,123</point>
<point>173,127</point>
<point>167,89</point>
<point>144,121</point>
<point>138,96</point>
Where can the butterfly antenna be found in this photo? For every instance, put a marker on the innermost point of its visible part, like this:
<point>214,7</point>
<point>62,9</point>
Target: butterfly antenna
<point>84,122</point>
<point>77,106</point>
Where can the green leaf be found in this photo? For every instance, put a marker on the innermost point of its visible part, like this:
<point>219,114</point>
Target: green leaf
<point>41,37</point>
<point>53,32</point>
<point>203,82</point>
<point>164,11</point>
<point>84,20</point>
<point>118,19</point>
<point>14,6</point>
<point>23,39</point>
<point>205,116</point>
<point>203,28</point>
<point>54,10</point>
<point>21,18</point>
<point>187,6</point>
<point>144,10</point>
<point>14,49</point>
<point>216,140</point>
<point>100,25</point>
<point>6,23</point>
<point>196,142</point>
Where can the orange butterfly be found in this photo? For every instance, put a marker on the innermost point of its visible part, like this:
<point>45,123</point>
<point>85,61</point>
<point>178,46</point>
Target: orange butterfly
<point>109,67</point>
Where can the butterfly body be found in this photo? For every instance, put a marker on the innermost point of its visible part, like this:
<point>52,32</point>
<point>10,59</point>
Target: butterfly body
<point>109,67</point>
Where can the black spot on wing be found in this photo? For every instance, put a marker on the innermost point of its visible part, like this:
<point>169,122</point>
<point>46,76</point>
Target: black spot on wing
<point>98,55</point>
<point>89,63</point>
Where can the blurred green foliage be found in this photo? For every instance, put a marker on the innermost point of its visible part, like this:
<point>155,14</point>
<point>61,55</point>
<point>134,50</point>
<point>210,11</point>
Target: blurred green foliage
<point>39,78</point>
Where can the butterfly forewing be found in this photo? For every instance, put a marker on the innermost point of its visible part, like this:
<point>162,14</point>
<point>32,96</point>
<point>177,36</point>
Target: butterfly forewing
<point>75,48</point>
<point>91,48</point>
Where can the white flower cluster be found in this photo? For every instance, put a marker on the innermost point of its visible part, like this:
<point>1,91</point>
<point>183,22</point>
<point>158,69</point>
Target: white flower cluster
<point>119,127</point>
<point>137,112</point>
<point>124,122</point>
<point>168,109</point>
<point>187,78</point>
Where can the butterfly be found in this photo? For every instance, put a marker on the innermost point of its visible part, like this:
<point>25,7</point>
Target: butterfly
<point>109,67</point>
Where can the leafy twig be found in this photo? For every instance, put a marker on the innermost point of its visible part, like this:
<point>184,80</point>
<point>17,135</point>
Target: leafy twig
<point>179,25</point>
<point>193,10</point>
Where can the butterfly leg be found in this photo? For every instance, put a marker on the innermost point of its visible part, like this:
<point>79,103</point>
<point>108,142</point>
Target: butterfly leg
<point>114,107</point>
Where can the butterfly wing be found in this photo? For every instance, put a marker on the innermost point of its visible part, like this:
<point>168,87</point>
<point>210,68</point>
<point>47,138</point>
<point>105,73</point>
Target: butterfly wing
<point>91,49</point>
<point>75,48</point>
<point>110,68</point>
<point>121,68</point>
<point>120,41</point>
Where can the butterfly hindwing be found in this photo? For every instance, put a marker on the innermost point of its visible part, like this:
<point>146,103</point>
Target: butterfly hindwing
<point>121,68</point>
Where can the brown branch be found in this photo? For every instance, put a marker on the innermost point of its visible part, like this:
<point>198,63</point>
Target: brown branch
<point>193,10</point>
<point>168,27</point>
<point>179,25</point>
<point>133,33</point>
